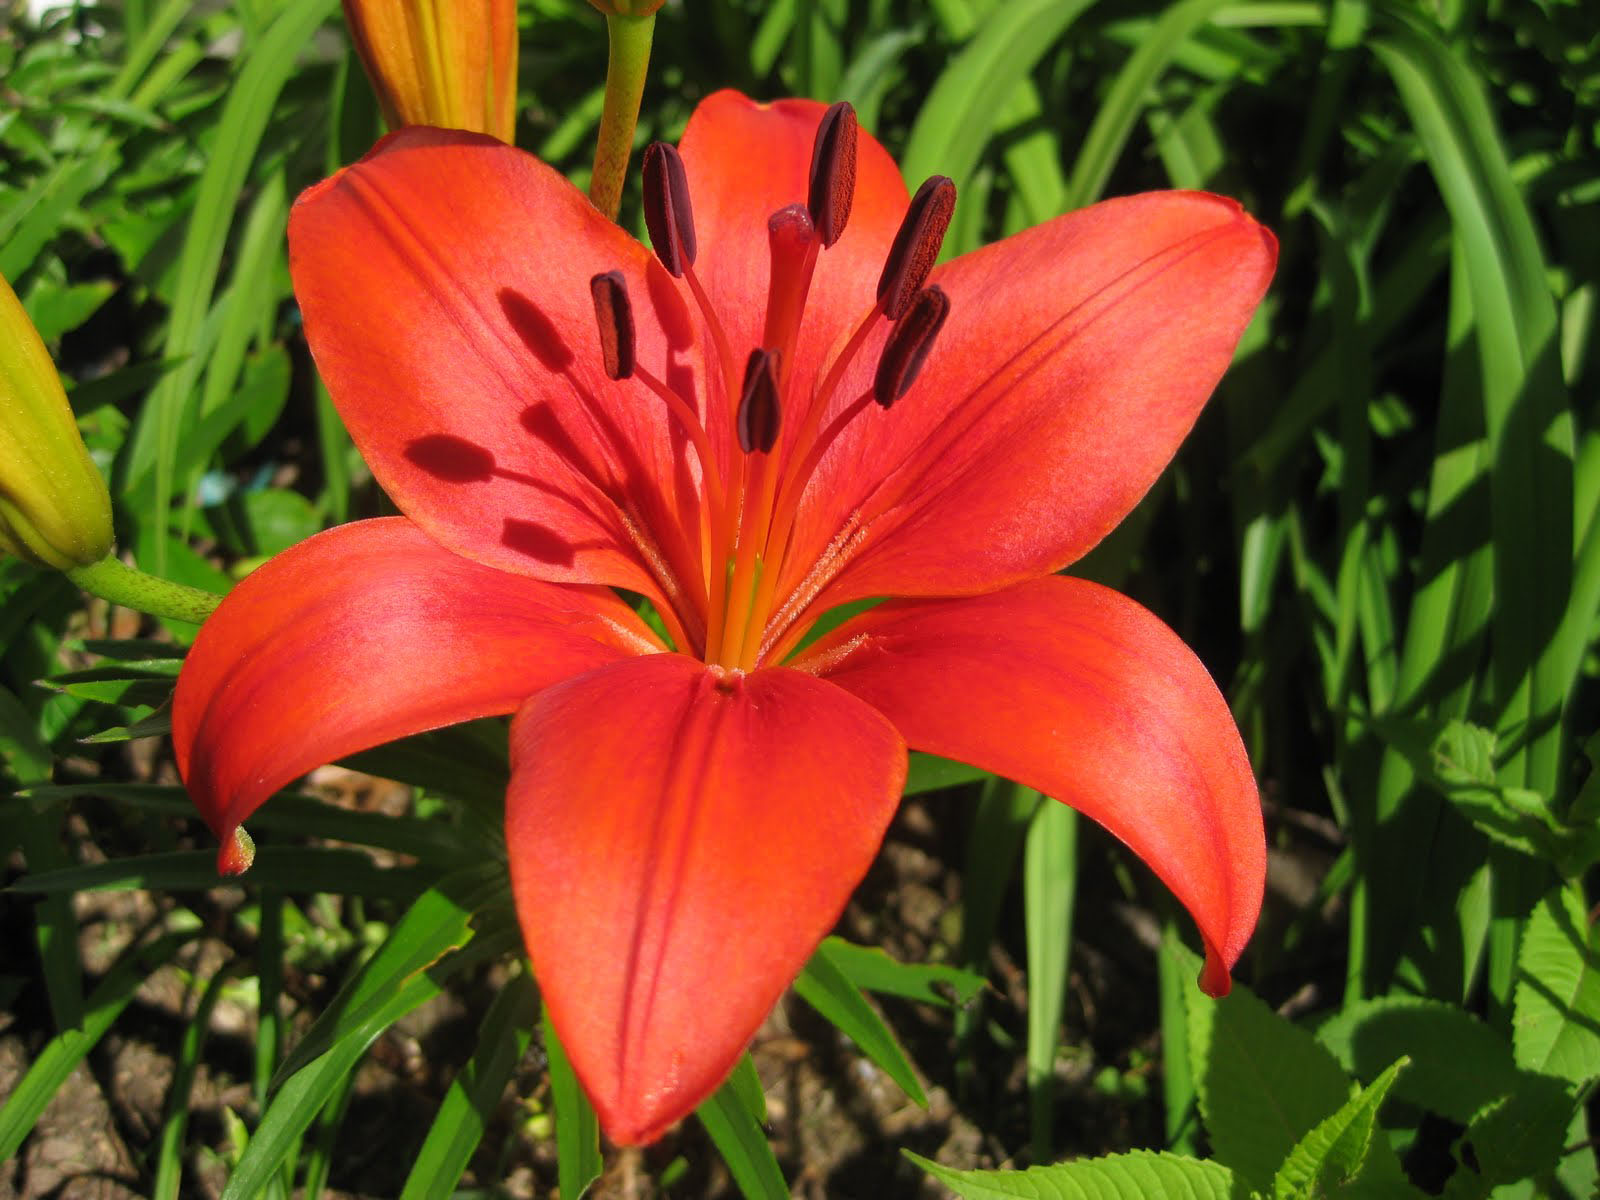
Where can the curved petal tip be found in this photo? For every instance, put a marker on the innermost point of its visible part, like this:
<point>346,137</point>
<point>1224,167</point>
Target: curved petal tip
<point>1214,978</point>
<point>237,852</point>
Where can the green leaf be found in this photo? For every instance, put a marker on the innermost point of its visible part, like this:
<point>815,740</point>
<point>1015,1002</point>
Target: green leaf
<point>1263,1082</point>
<point>578,1161</point>
<point>928,773</point>
<point>439,921</point>
<point>1556,1026</point>
<point>828,990</point>
<point>1049,890</point>
<point>742,1144</point>
<point>293,869</point>
<point>1336,1151</point>
<point>872,970</point>
<point>1140,1175</point>
<point>1458,1064</point>
<point>475,1092</point>
<point>959,117</point>
<point>1522,1135</point>
<point>271,59</point>
<point>1118,111</point>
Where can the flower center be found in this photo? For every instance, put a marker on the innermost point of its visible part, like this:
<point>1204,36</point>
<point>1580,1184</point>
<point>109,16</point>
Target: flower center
<point>746,521</point>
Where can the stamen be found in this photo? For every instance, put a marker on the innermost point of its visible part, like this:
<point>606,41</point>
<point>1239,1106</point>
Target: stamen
<point>833,172</point>
<point>916,245</point>
<point>667,212</point>
<point>613,312</point>
<point>758,403</point>
<point>908,345</point>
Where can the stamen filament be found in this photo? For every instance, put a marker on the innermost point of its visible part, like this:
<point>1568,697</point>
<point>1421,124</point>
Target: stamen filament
<point>781,524</point>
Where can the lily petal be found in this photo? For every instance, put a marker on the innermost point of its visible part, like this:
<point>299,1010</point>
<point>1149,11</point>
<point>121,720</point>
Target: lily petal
<point>1075,690</point>
<point>678,847</point>
<point>745,161</point>
<point>444,281</point>
<point>363,634</point>
<point>1075,359</point>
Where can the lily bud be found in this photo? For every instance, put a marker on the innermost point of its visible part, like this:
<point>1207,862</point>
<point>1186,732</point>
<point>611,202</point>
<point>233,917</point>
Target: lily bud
<point>54,508</point>
<point>451,63</point>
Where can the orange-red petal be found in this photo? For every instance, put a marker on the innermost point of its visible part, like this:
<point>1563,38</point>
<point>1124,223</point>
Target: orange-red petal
<point>444,281</point>
<point>1075,359</point>
<point>678,848</point>
<point>1075,690</point>
<point>363,634</point>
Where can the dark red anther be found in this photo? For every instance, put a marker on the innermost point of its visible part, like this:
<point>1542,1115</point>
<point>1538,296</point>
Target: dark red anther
<point>916,245</point>
<point>613,313</point>
<point>909,343</point>
<point>667,213</point>
<point>758,403</point>
<point>833,172</point>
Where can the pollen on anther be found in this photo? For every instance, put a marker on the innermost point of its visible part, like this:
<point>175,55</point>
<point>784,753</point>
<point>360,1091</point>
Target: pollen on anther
<point>613,314</point>
<point>916,245</point>
<point>758,416</point>
<point>833,172</point>
<point>667,211</point>
<point>909,342</point>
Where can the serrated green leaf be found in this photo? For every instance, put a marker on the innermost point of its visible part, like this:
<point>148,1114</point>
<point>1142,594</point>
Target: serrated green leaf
<point>828,990</point>
<point>1263,1082</point>
<point>1458,1064</point>
<point>1522,1135</point>
<point>1335,1152</point>
<point>1556,1026</point>
<point>1141,1175</point>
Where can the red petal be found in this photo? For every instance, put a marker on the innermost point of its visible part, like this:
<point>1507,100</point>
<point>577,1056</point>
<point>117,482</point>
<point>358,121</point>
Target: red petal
<point>1076,358</point>
<point>363,634</point>
<point>445,285</point>
<point>1075,690</point>
<point>745,161</point>
<point>677,851</point>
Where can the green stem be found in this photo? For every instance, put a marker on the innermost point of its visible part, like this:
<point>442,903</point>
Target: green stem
<point>112,580</point>
<point>629,57</point>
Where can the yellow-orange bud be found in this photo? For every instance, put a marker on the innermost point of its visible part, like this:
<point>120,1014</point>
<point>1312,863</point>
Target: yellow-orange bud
<point>451,63</point>
<point>54,508</point>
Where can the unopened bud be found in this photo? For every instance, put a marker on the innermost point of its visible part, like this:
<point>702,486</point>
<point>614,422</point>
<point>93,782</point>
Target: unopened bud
<point>54,507</point>
<point>453,65</point>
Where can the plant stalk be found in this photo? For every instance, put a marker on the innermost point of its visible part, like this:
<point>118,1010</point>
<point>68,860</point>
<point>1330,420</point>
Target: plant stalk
<point>626,63</point>
<point>113,580</point>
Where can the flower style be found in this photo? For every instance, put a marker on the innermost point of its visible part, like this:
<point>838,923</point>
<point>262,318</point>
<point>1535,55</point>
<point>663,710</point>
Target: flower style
<point>779,413</point>
<point>440,62</point>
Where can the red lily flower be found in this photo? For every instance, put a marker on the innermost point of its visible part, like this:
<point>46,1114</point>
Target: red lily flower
<point>684,825</point>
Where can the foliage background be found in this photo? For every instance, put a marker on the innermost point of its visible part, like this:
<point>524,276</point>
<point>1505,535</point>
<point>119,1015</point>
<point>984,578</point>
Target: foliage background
<point>1381,539</point>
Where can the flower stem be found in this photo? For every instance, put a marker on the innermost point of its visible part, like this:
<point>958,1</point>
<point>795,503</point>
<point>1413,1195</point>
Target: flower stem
<point>112,580</point>
<point>629,56</point>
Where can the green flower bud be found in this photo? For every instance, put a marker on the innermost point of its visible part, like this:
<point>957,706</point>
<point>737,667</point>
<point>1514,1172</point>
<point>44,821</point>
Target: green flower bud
<point>54,508</point>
